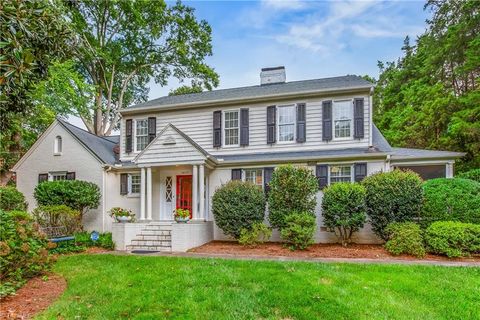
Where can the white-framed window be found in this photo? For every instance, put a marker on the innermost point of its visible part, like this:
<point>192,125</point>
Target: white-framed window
<point>57,176</point>
<point>57,145</point>
<point>231,121</point>
<point>134,183</point>
<point>254,176</point>
<point>286,123</point>
<point>340,173</point>
<point>141,134</point>
<point>343,119</point>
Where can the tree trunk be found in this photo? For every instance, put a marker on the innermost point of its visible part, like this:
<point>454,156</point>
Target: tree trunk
<point>13,149</point>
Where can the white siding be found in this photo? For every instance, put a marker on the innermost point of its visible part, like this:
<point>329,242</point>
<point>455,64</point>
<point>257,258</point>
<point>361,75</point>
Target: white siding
<point>197,124</point>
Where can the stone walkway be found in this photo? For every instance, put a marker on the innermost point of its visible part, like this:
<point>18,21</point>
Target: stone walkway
<point>304,259</point>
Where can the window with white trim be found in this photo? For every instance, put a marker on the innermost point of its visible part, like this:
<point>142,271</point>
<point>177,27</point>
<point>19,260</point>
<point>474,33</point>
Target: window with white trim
<point>340,173</point>
<point>134,183</point>
<point>57,145</point>
<point>254,176</point>
<point>231,124</point>
<point>57,176</point>
<point>343,118</point>
<point>141,134</point>
<point>286,123</point>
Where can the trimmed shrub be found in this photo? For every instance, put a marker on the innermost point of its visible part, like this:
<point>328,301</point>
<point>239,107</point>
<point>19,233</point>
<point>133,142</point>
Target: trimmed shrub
<point>238,205</point>
<point>83,241</point>
<point>453,239</point>
<point>473,174</point>
<point>405,237</point>
<point>23,250</point>
<point>451,200</point>
<point>394,196</point>
<point>76,194</point>
<point>343,209</point>
<point>259,233</point>
<point>12,199</point>
<point>58,216</point>
<point>291,189</point>
<point>299,230</point>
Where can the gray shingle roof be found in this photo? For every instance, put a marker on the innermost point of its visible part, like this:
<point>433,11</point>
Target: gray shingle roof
<point>102,147</point>
<point>258,91</point>
<point>415,154</point>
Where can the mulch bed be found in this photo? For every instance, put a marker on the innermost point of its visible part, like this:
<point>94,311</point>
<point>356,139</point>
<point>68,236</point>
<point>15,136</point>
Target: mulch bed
<point>273,249</point>
<point>35,296</point>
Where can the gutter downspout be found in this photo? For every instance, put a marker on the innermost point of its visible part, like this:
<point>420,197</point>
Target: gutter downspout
<point>370,136</point>
<point>106,169</point>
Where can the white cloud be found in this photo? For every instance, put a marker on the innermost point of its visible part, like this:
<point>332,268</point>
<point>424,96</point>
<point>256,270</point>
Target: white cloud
<point>284,5</point>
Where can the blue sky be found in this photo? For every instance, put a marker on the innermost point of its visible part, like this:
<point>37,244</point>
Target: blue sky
<point>311,39</point>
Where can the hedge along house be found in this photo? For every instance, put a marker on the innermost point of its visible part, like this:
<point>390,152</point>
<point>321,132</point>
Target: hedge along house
<point>176,150</point>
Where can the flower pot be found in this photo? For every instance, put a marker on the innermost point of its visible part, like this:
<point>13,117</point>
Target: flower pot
<point>182,220</point>
<point>123,219</point>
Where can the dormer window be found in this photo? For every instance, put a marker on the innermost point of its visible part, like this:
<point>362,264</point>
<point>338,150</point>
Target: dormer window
<point>57,146</point>
<point>141,134</point>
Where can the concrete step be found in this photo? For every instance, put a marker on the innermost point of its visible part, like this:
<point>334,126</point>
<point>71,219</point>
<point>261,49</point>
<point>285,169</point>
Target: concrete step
<point>156,243</point>
<point>157,227</point>
<point>155,233</point>
<point>153,237</point>
<point>148,248</point>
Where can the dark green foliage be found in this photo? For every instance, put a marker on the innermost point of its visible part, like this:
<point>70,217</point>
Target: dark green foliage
<point>259,233</point>
<point>23,250</point>
<point>58,216</point>
<point>83,241</point>
<point>343,209</point>
<point>394,196</point>
<point>299,230</point>
<point>238,205</point>
<point>405,237</point>
<point>473,174</point>
<point>451,200</point>
<point>76,194</point>
<point>12,199</point>
<point>453,239</point>
<point>291,189</point>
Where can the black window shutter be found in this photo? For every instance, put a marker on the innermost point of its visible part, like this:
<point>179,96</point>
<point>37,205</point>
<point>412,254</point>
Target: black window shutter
<point>271,122</point>
<point>360,171</point>
<point>236,174</point>
<point>217,129</point>
<point>358,118</point>
<point>321,172</point>
<point>301,122</point>
<point>244,124</point>
<point>70,176</point>
<point>123,183</point>
<point>42,177</point>
<point>128,136</point>
<point>327,120</point>
<point>267,177</point>
<point>152,128</point>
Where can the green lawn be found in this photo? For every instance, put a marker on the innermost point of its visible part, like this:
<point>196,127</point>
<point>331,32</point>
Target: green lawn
<point>143,287</point>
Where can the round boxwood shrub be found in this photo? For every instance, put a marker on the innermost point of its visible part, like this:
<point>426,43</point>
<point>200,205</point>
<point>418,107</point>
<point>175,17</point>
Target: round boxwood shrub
<point>453,239</point>
<point>343,209</point>
<point>58,216</point>
<point>299,230</point>
<point>291,189</point>
<point>238,205</point>
<point>394,196</point>
<point>76,194</point>
<point>451,200</point>
<point>405,237</point>
<point>12,199</point>
<point>473,174</point>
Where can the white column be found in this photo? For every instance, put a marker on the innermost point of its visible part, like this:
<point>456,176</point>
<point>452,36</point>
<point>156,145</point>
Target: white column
<point>201,191</point>
<point>142,194</point>
<point>195,192</point>
<point>149,193</point>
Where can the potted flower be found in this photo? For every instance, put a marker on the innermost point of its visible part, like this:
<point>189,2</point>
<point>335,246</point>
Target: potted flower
<point>122,215</point>
<point>182,215</point>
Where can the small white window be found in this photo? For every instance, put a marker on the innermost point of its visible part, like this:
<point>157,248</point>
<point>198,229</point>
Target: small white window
<point>231,127</point>
<point>57,176</point>
<point>254,176</point>
<point>342,173</point>
<point>286,123</point>
<point>57,146</point>
<point>134,183</point>
<point>141,134</point>
<point>342,118</point>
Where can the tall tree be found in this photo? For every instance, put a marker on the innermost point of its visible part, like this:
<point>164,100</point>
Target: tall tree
<point>124,44</point>
<point>33,34</point>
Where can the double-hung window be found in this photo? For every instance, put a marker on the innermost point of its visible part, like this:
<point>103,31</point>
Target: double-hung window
<point>286,123</point>
<point>340,173</point>
<point>134,183</point>
<point>231,127</point>
<point>342,118</point>
<point>254,176</point>
<point>141,134</point>
<point>57,176</point>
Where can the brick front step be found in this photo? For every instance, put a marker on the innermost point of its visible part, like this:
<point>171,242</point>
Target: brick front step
<point>148,248</point>
<point>153,237</point>
<point>154,233</point>
<point>156,243</point>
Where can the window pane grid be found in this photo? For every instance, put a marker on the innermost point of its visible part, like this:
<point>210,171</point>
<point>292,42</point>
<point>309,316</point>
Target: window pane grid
<point>340,174</point>
<point>231,128</point>
<point>254,176</point>
<point>141,134</point>
<point>286,123</point>
<point>135,183</point>
<point>342,113</point>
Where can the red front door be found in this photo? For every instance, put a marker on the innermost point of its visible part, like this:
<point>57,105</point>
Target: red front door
<point>184,193</point>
